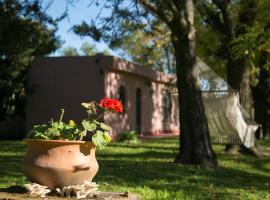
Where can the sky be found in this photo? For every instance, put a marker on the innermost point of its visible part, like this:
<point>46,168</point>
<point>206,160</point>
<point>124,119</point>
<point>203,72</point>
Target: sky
<point>77,12</point>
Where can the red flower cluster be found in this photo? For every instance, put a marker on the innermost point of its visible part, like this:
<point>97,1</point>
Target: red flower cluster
<point>111,104</point>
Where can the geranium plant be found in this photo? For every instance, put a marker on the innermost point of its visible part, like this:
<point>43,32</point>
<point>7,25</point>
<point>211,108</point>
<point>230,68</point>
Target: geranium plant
<point>90,126</point>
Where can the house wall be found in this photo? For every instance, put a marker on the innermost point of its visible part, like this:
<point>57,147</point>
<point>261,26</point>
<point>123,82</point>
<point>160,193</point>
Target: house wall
<point>66,82</point>
<point>152,112</point>
<point>63,83</point>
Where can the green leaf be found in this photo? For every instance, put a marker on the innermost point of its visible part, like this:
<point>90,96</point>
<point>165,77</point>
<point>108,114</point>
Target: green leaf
<point>58,125</point>
<point>69,133</point>
<point>105,127</point>
<point>99,140</point>
<point>52,133</point>
<point>37,131</point>
<point>82,134</point>
<point>40,136</point>
<point>41,128</point>
<point>107,137</point>
<point>89,126</point>
<point>96,122</point>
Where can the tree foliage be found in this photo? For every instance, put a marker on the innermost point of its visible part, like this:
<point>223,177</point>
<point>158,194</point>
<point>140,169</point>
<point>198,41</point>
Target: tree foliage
<point>25,33</point>
<point>146,42</point>
<point>231,20</point>
<point>151,48</point>
<point>86,49</point>
<point>70,51</point>
<point>238,29</point>
<point>241,31</point>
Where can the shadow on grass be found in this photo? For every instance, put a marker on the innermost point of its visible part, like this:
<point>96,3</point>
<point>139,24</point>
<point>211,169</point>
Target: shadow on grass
<point>14,189</point>
<point>163,144</point>
<point>11,155</point>
<point>139,169</point>
<point>12,146</point>
<point>141,145</point>
<point>149,155</point>
<point>152,167</point>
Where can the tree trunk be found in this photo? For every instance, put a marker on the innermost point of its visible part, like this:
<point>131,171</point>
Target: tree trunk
<point>195,145</point>
<point>238,79</point>
<point>261,107</point>
<point>237,69</point>
<point>260,95</point>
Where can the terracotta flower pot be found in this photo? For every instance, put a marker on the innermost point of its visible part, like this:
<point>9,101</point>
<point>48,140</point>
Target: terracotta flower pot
<point>58,163</point>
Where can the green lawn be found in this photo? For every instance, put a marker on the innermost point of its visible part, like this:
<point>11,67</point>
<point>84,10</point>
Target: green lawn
<point>147,169</point>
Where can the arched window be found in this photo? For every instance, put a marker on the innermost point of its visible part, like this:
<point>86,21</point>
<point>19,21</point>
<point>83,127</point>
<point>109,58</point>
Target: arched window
<point>123,97</point>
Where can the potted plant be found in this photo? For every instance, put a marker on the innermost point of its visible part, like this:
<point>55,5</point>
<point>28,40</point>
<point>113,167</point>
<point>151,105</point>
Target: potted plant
<point>61,154</point>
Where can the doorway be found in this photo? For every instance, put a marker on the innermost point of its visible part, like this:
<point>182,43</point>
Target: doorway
<point>138,110</point>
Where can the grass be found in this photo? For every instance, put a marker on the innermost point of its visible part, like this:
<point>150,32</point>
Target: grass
<point>147,169</point>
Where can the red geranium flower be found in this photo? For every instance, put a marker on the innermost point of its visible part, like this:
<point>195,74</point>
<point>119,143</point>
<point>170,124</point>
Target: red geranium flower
<point>111,104</point>
<point>118,106</point>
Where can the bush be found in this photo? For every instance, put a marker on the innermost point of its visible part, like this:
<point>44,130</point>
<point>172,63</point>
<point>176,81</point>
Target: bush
<point>128,136</point>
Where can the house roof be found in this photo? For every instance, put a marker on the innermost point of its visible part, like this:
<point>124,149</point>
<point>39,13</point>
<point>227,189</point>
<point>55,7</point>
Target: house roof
<point>124,66</point>
<point>113,63</point>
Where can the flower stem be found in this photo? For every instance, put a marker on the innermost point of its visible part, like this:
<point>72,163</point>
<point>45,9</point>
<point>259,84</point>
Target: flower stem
<point>61,116</point>
<point>104,113</point>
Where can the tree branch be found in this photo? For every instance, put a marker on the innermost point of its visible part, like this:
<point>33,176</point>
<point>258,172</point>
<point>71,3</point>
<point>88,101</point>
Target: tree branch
<point>211,16</point>
<point>174,8</point>
<point>227,21</point>
<point>155,10</point>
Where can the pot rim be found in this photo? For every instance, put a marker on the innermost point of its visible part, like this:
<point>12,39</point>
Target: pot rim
<point>27,140</point>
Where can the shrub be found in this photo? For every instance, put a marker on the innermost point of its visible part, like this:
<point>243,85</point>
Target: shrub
<point>129,136</point>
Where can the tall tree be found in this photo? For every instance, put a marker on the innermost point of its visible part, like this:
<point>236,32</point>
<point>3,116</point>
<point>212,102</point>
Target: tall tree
<point>86,49</point>
<point>25,32</point>
<point>261,95</point>
<point>220,16</point>
<point>242,37</point>
<point>260,43</point>
<point>70,51</point>
<point>195,146</point>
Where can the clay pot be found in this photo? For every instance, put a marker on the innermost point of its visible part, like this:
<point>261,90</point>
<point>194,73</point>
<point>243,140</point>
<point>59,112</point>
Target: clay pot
<point>59,163</point>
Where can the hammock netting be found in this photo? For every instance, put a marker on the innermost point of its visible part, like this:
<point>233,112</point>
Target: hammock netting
<point>228,122</point>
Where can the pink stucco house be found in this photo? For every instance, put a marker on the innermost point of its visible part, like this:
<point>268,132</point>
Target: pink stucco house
<point>65,82</point>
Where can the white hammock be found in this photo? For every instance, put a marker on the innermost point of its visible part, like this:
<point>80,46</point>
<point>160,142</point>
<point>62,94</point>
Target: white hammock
<point>228,122</point>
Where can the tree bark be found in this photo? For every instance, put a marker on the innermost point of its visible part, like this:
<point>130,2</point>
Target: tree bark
<point>195,145</point>
<point>238,79</point>
<point>260,95</point>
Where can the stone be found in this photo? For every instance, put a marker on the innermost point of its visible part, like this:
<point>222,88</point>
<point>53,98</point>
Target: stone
<point>20,193</point>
